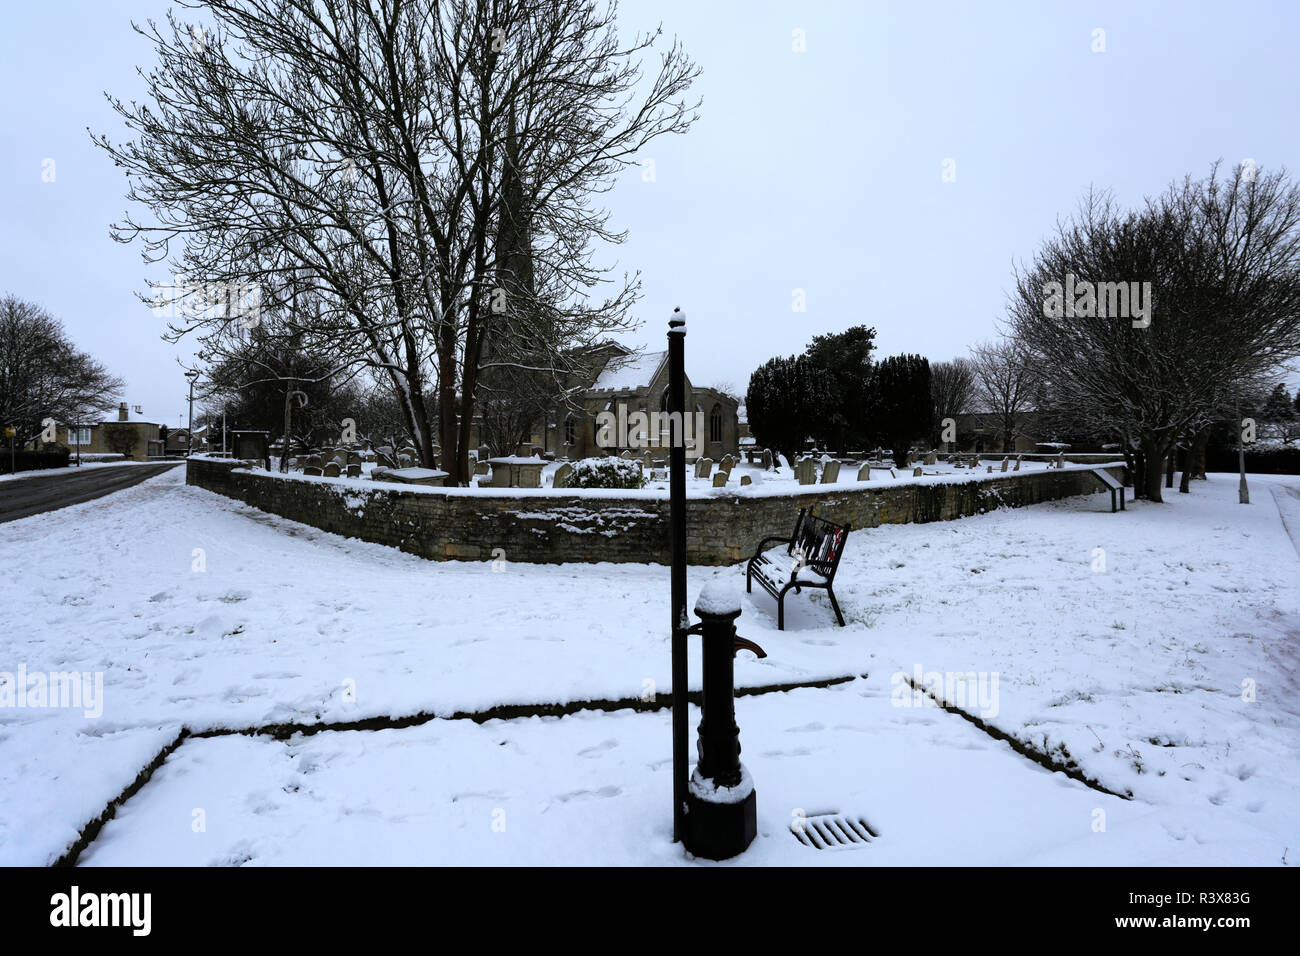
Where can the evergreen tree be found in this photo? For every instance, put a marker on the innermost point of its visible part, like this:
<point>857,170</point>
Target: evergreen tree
<point>787,400</point>
<point>846,356</point>
<point>902,409</point>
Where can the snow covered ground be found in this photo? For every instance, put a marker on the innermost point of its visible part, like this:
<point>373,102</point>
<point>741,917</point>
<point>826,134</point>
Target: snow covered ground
<point>1173,674</point>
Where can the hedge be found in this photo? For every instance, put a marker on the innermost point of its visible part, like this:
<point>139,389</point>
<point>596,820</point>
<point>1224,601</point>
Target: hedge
<point>33,460</point>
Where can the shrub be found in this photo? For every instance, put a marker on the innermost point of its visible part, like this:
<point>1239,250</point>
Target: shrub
<point>50,456</point>
<point>1261,461</point>
<point>606,473</point>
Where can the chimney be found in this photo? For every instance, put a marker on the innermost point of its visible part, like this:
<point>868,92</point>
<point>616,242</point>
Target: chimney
<point>121,412</point>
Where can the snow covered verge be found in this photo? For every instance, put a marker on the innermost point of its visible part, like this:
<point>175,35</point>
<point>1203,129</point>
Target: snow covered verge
<point>1165,667</point>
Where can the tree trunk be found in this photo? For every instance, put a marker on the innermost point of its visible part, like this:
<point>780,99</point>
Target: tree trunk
<point>1153,454</point>
<point>1197,453</point>
<point>1169,467</point>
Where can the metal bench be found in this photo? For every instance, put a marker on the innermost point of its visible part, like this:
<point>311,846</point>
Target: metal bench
<point>811,557</point>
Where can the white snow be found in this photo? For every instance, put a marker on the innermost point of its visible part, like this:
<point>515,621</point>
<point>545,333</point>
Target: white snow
<point>1172,674</point>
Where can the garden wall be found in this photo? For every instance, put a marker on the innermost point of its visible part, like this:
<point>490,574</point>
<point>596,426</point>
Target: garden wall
<point>550,527</point>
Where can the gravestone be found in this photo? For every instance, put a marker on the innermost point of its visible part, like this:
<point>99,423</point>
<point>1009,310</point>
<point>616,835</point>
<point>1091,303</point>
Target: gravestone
<point>313,461</point>
<point>354,458</point>
<point>702,467</point>
<point>720,479</point>
<point>404,460</point>
<point>990,469</point>
<point>561,477</point>
<point>482,468</point>
<point>1060,461</point>
<point>932,459</point>
<point>767,459</point>
<point>313,470</point>
<point>1017,468</point>
<point>831,473</point>
<point>354,469</point>
<point>627,455</point>
<point>332,470</point>
<point>484,452</point>
<point>746,480</point>
<point>1005,462</point>
<point>805,471</point>
<point>916,472</point>
<point>864,473</point>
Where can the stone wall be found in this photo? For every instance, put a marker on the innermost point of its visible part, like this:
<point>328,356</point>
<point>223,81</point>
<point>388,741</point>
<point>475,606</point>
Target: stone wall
<point>550,528</point>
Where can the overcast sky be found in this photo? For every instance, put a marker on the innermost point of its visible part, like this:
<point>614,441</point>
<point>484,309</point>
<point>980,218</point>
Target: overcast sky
<point>818,171</point>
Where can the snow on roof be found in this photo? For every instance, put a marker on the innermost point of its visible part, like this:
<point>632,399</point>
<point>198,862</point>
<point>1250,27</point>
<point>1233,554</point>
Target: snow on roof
<point>635,371</point>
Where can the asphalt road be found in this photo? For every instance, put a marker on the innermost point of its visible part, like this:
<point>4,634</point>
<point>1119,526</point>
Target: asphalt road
<point>23,497</point>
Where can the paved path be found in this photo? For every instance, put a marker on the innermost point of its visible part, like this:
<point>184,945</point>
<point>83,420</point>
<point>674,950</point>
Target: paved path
<point>24,497</point>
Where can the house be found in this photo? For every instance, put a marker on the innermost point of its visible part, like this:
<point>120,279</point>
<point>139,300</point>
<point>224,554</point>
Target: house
<point>617,383</point>
<point>982,432</point>
<point>128,434</point>
<point>178,440</point>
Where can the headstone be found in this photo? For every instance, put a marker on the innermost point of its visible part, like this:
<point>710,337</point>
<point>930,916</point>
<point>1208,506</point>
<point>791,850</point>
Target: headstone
<point>482,468</point>
<point>561,477</point>
<point>864,473</point>
<point>484,452</point>
<point>1017,468</point>
<point>354,458</point>
<point>1060,461</point>
<point>932,459</point>
<point>627,455</point>
<point>354,469</point>
<point>313,470</point>
<point>831,473</point>
<point>990,469</point>
<point>767,459</point>
<point>746,480</point>
<point>805,471</point>
<point>916,472</point>
<point>500,476</point>
<point>720,479</point>
<point>1005,462</point>
<point>332,470</point>
<point>702,467</point>
<point>313,461</point>
<point>404,460</point>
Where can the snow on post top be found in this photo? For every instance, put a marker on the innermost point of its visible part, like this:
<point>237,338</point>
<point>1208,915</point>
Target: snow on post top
<point>719,598</point>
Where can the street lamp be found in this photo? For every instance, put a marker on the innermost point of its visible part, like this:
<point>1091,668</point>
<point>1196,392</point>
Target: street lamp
<point>192,375</point>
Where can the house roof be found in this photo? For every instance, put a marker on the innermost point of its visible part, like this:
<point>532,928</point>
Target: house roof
<point>633,371</point>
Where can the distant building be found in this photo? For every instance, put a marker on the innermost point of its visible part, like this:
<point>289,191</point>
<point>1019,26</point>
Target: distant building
<point>619,381</point>
<point>94,438</point>
<point>982,432</point>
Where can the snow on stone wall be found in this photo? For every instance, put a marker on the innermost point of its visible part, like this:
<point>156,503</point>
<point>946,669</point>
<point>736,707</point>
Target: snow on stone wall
<point>563,528</point>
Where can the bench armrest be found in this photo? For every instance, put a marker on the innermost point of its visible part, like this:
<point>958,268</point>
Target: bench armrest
<point>762,545</point>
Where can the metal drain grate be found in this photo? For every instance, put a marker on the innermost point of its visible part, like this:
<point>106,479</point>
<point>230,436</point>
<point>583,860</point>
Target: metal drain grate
<point>832,831</point>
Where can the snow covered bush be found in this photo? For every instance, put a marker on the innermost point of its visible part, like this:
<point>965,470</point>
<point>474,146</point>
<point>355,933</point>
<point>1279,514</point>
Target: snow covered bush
<point>606,473</point>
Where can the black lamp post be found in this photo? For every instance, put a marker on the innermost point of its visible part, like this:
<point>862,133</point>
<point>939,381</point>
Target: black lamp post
<point>714,813</point>
<point>192,375</point>
<point>677,523</point>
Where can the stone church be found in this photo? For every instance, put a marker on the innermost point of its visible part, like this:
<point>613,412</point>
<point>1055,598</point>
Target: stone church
<point>621,382</point>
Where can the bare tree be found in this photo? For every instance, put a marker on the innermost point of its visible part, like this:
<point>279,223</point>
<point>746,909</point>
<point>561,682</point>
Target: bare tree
<point>952,390</point>
<point>1006,384</point>
<point>43,375</point>
<point>400,158</point>
<point>1223,260</point>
